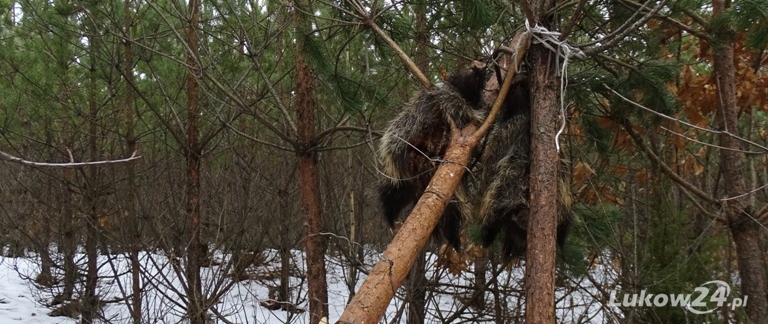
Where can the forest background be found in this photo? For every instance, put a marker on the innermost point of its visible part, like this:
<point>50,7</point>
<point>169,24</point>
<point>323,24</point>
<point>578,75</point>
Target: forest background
<point>256,124</point>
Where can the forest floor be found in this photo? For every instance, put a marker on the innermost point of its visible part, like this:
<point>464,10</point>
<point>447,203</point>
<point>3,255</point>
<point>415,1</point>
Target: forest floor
<point>21,301</point>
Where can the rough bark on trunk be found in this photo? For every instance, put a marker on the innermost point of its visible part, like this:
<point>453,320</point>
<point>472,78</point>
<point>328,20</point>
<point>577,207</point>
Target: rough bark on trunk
<point>309,187</point>
<point>542,222</point>
<point>739,213</point>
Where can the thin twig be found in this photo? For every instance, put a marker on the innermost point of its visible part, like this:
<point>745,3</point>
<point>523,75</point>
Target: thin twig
<point>620,34</point>
<point>686,123</point>
<point>664,167</point>
<point>677,23</point>
<point>709,144</point>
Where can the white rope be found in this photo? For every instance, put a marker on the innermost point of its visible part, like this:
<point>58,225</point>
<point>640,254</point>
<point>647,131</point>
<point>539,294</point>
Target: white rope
<point>551,40</point>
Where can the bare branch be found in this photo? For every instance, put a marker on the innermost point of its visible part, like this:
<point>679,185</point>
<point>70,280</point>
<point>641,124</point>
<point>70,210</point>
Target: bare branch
<point>15,159</point>
<point>664,167</point>
<point>677,23</point>
<point>620,33</point>
<point>279,103</point>
<point>688,124</point>
<point>709,144</point>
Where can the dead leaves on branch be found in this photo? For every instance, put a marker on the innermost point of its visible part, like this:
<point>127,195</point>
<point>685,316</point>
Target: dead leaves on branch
<point>697,90</point>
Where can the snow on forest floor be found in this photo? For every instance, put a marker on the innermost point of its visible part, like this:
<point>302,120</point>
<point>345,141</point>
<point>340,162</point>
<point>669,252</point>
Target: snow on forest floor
<point>22,302</point>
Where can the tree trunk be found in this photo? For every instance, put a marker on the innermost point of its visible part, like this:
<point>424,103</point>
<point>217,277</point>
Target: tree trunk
<point>45,278</point>
<point>542,221</point>
<point>739,213</point>
<point>286,243</point>
<point>309,186</point>
<point>89,304</point>
<point>415,292</point>
<point>69,239</point>
<point>131,217</point>
<point>69,221</point>
<point>354,236</point>
<point>481,281</point>
<point>196,309</point>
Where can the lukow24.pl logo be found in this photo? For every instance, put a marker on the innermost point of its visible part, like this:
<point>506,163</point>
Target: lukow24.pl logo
<point>705,299</point>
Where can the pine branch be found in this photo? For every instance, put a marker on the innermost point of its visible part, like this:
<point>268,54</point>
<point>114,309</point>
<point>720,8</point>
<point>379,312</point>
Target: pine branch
<point>369,20</point>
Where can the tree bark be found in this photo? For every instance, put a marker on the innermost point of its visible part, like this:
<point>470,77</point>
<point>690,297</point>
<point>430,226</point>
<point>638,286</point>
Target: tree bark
<point>542,220</point>
<point>481,281</point>
<point>309,185</point>
<point>739,213</point>
<point>196,309</point>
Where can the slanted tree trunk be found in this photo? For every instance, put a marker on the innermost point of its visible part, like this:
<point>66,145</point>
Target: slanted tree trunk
<point>390,271</point>
<point>542,221</point>
<point>740,215</point>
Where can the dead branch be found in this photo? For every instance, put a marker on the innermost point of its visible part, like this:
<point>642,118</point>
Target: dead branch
<point>16,159</point>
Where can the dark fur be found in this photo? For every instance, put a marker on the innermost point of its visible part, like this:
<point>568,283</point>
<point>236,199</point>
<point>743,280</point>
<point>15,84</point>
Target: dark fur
<point>416,140</point>
<point>505,176</point>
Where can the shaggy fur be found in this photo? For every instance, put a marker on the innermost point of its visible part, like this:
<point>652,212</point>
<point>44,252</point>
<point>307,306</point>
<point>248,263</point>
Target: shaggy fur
<point>416,140</point>
<point>504,179</point>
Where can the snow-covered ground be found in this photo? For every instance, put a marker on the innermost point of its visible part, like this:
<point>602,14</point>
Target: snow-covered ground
<point>17,298</point>
<point>22,302</point>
